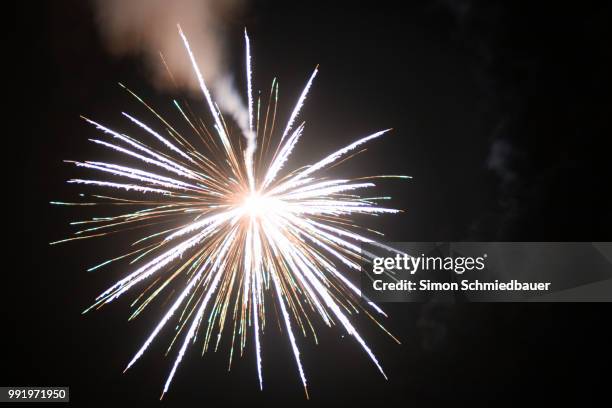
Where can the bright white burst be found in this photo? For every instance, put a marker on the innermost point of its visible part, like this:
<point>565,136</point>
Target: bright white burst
<point>235,230</point>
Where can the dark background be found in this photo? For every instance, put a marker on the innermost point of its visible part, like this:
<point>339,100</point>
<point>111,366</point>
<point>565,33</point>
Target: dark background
<point>501,113</point>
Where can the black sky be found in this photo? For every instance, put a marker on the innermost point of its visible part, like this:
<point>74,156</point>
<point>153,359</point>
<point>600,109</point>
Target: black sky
<point>501,113</point>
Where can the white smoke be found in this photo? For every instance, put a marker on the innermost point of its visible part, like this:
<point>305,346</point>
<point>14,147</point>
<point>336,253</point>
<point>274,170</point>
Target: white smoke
<point>149,27</point>
<point>231,102</point>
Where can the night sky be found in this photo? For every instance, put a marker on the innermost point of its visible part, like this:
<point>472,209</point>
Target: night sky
<point>501,114</point>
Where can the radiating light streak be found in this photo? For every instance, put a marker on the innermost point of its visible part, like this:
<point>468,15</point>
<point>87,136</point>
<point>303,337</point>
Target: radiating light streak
<point>234,230</point>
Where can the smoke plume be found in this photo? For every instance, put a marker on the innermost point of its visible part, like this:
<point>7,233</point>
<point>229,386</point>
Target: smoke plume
<point>149,27</point>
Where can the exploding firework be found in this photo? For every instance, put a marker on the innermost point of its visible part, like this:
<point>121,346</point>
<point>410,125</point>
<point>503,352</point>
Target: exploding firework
<point>234,230</point>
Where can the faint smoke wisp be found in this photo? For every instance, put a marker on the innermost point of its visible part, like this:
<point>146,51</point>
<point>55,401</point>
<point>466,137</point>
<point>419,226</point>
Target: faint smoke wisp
<point>147,28</point>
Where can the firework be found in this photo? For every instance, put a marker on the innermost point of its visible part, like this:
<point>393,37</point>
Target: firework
<point>235,231</point>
